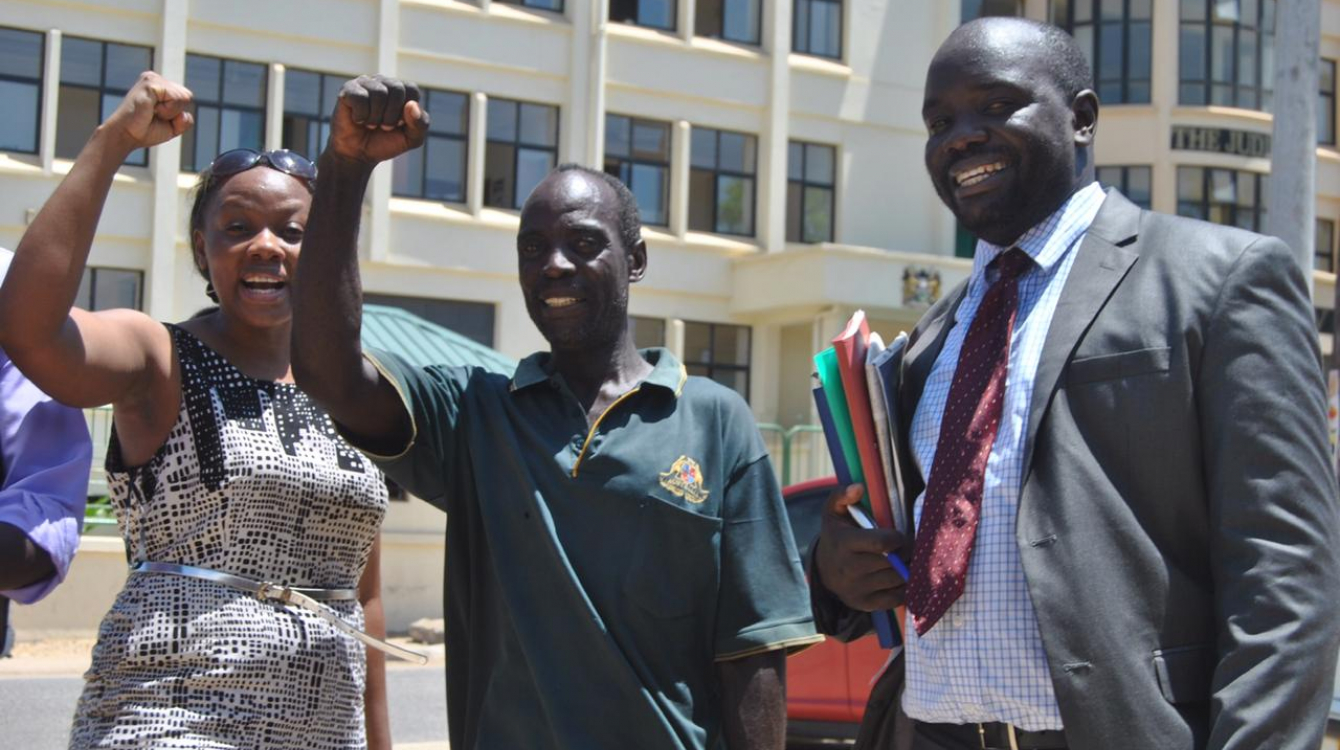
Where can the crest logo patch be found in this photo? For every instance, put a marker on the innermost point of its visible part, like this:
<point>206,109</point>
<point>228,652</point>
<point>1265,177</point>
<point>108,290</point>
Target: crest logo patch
<point>685,479</point>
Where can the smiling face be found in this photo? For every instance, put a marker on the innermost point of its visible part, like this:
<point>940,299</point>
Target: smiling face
<point>574,268</point>
<point>1006,145</point>
<point>248,244</point>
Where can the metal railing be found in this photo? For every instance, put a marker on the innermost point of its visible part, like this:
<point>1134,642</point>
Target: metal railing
<point>798,453</point>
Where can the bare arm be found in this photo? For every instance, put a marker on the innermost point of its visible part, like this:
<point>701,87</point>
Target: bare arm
<point>374,120</point>
<point>753,701</point>
<point>84,359</point>
<point>377,718</point>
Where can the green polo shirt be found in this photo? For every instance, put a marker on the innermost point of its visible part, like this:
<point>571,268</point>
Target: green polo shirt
<point>596,574</point>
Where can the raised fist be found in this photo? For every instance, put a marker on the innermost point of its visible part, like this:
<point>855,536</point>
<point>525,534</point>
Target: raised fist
<point>377,118</point>
<point>152,112</point>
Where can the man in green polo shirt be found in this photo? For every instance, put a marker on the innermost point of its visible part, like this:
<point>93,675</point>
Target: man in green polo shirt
<point>620,571</point>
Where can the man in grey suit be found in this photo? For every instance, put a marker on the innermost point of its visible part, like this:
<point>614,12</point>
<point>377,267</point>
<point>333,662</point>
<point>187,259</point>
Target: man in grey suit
<point>1128,518</point>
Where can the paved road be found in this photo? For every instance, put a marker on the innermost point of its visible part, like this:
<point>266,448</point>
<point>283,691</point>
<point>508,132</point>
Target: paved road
<point>35,711</point>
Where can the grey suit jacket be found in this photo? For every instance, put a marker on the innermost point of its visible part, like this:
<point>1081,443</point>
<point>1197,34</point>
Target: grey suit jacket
<point>1178,523</point>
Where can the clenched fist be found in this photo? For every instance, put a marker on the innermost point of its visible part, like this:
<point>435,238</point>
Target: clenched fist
<point>152,112</point>
<point>377,118</point>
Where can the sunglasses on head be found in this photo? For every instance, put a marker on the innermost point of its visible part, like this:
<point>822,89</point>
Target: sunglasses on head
<point>242,159</point>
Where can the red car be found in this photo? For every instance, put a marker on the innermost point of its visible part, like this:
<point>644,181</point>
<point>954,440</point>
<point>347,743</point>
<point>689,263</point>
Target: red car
<point>826,685</point>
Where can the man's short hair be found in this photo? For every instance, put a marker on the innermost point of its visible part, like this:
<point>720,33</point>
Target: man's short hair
<point>1069,66</point>
<point>630,219</point>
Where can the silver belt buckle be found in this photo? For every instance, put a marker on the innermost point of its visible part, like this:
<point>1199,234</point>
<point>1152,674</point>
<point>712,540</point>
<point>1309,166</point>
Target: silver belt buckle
<point>268,591</point>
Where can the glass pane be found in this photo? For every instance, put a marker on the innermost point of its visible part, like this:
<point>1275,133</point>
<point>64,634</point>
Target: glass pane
<point>1223,94</point>
<point>730,345</point>
<point>330,92</point>
<point>736,380</point>
<point>84,297</point>
<point>531,167</point>
<point>618,141</point>
<point>407,173</point>
<point>800,35</point>
<point>76,117</point>
<point>697,342</point>
<point>818,214</point>
<point>80,61</point>
<point>113,289</point>
<point>1326,120</point>
<point>795,161</point>
<point>1108,176</point>
<point>651,141</point>
<point>1141,9</point>
<point>1225,10</point>
<point>499,174</point>
<point>647,332</point>
<point>1246,190</point>
<point>1139,186</point>
<point>1191,54</point>
<point>1111,10</point>
<point>826,29</point>
<point>1223,188</point>
<point>202,77</point>
<point>1141,53</point>
<point>240,129</point>
<point>1138,93</point>
<point>656,13</point>
<point>701,183</point>
<point>795,210</point>
<point>703,152</point>
<point>1221,54</point>
<point>733,156</point>
<point>125,62</point>
<point>539,125</point>
<point>501,120</point>
<point>1326,76</point>
<point>450,112</point>
<point>1083,11</point>
<point>1193,10</point>
<point>1111,52</point>
<point>623,10</point>
<point>1247,57</point>
<point>138,157</point>
<point>1190,184</point>
<point>20,53</point>
<point>740,21</point>
<point>1268,16</point>
<point>735,205</point>
<point>446,170</point>
<point>1084,38</point>
<point>649,187</point>
<point>707,18</point>
<point>819,164</point>
<point>302,92</point>
<point>1248,12</point>
<point>243,83</point>
<point>18,128</point>
<point>1110,92</point>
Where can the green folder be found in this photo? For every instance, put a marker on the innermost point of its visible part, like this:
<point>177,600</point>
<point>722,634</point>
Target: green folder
<point>826,366</point>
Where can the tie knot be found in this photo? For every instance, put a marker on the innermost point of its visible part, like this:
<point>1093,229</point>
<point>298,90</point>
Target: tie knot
<point>1012,264</point>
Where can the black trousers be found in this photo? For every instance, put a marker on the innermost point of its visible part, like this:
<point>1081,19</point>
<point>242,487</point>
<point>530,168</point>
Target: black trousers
<point>966,737</point>
<point>4,625</point>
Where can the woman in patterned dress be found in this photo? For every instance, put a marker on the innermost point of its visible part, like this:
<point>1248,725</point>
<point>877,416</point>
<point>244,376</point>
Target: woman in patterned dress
<point>217,462</point>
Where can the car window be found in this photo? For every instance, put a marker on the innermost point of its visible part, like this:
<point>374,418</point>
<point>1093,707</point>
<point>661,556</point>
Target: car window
<point>804,508</point>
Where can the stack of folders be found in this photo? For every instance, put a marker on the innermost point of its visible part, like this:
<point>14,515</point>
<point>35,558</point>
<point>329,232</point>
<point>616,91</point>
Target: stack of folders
<point>857,400</point>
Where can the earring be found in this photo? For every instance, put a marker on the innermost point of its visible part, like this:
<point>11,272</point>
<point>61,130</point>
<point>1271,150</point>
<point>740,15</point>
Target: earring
<point>209,292</point>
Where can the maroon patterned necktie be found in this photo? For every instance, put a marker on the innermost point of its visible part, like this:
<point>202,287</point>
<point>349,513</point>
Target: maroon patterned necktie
<point>967,431</point>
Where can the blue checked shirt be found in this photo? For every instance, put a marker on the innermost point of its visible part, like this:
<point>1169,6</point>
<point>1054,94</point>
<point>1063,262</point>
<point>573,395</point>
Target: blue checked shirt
<point>984,660</point>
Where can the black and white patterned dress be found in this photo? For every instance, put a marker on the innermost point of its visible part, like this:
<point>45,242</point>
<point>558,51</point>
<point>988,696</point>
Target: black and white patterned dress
<point>253,480</point>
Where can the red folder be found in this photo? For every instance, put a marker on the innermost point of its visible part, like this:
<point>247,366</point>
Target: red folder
<point>850,346</point>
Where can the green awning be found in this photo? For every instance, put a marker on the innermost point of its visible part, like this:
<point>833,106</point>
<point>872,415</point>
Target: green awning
<point>423,343</point>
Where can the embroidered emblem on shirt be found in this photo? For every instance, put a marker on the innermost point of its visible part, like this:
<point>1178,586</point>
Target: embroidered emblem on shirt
<point>685,480</point>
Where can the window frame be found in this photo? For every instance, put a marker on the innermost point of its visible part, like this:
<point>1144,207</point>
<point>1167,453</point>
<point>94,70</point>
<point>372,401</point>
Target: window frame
<point>805,182</point>
<point>796,45</point>
<point>720,19</point>
<point>528,5</point>
<point>632,160</point>
<point>711,367</point>
<point>1206,203</point>
<point>221,105</point>
<point>516,143</point>
<point>717,172</point>
<point>1329,254</point>
<point>421,153</point>
<point>1326,103</point>
<point>102,90</point>
<point>637,8</point>
<point>1096,24</point>
<point>1125,181</point>
<point>1263,89</point>
<point>324,109</point>
<point>91,273</point>
<point>39,82</point>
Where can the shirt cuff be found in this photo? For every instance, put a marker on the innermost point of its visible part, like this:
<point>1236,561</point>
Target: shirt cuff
<point>353,440</point>
<point>58,537</point>
<point>792,636</point>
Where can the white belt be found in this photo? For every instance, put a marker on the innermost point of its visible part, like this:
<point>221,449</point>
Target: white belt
<point>305,598</point>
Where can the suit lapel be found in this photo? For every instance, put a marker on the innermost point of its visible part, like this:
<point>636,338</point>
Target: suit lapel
<point>1109,248</point>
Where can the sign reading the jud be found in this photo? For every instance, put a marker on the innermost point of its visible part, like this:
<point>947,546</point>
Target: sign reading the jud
<point>1221,141</point>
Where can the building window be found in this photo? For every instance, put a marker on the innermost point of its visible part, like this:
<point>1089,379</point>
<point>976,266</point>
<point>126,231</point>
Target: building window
<point>721,182</point>
<point>522,147</point>
<point>473,320</point>
<point>554,5</point>
<point>1226,53</point>
<point>1116,36</point>
<point>229,109</point>
<point>656,14</point>
<point>719,352</point>
<point>638,153</point>
<point>817,28</point>
<point>971,9</point>
<point>1223,196</point>
<point>1133,182</point>
<point>437,170</point>
<point>809,192</point>
<point>110,288</point>
<point>1324,251</point>
<point>94,78</point>
<point>309,99</point>
<point>732,20</point>
<point>647,332</point>
<point>1326,103</point>
<point>21,54</point>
